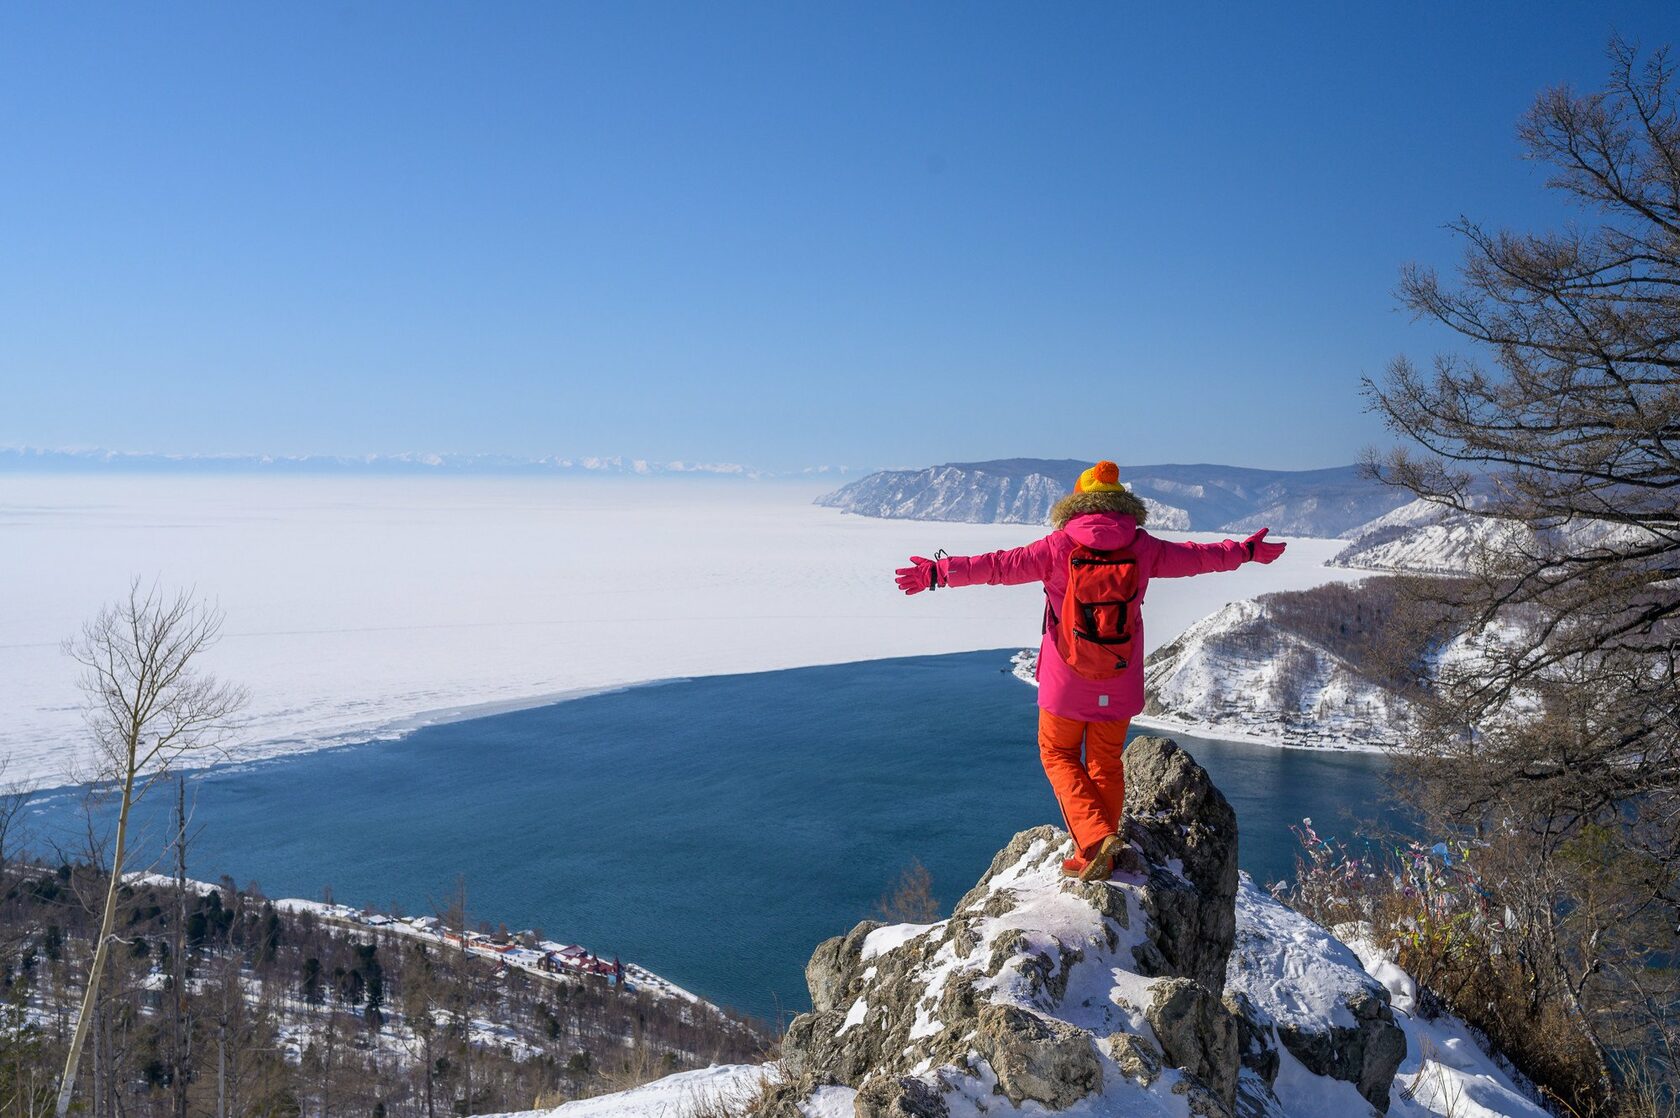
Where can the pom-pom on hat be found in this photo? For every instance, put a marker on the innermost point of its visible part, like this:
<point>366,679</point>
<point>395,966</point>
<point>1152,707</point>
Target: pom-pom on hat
<point>1104,477</point>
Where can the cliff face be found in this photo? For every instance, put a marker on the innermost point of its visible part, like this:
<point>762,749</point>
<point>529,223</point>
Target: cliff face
<point>1135,996</point>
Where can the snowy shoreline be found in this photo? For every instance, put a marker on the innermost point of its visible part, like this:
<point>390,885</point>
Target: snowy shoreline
<point>1284,739</point>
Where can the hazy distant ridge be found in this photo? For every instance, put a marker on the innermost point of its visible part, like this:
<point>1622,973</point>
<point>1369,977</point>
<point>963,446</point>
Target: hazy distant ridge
<point>104,461</point>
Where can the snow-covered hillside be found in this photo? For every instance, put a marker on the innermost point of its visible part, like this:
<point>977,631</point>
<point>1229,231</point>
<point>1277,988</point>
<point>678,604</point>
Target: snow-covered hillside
<point>1239,674</point>
<point>1423,537</point>
<point>1182,991</point>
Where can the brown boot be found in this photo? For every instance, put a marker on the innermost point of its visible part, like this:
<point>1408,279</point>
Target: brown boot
<point>1101,863</point>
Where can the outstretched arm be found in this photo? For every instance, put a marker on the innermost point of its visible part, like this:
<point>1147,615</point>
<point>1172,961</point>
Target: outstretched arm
<point>1181,560</point>
<point>1007,567</point>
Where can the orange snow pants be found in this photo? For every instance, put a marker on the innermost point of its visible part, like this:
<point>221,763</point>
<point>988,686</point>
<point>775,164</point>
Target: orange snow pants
<point>1090,789</point>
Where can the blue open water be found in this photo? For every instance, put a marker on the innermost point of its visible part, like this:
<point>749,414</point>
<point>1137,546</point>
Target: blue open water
<point>713,830</point>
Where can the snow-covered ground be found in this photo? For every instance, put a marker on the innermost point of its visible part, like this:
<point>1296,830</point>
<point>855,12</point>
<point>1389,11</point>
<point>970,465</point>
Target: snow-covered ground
<point>682,1095</point>
<point>361,607</point>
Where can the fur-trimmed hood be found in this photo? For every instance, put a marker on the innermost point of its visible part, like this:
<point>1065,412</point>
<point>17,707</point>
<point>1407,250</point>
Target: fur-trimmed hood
<point>1120,501</point>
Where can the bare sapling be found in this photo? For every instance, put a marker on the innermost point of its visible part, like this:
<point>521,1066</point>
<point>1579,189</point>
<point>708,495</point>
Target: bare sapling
<point>149,706</point>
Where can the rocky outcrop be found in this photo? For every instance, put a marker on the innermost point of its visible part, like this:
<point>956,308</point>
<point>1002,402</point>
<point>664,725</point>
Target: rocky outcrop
<point>1124,994</point>
<point>1182,822</point>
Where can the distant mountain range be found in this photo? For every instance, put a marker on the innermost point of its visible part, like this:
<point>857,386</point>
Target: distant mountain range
<point>1202,497</point>
<point>88,461</point>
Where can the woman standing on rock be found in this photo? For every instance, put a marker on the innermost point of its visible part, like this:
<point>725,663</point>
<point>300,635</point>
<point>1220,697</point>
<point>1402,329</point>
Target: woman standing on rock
<point>1095,568</point>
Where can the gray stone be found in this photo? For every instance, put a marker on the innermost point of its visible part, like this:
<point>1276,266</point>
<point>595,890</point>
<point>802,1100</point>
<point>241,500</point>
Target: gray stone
<point>891,1096</point>
<point>1197,1033</point>
<point>1106,899</point>
<point>1201,1102</point>
<point>1256,1045</point>
<point>1037,1058</point>
<point>1174,813</point>
<point>810,1050</point>
<point>833,965</point>
<point>1139,1059</point>
<point>1366,1055</point>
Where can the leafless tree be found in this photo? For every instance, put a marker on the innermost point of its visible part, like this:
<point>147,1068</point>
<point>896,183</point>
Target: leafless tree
<point>148,706</point>
<point>15,797</point>
<point>1557,739</point>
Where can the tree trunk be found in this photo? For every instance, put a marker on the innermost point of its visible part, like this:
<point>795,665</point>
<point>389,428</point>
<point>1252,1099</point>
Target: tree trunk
<point>67,1085</point>
<point>101,1045</point>
<point>221,1070</point>
<point>183,1027</point>
<point>426,1049</point>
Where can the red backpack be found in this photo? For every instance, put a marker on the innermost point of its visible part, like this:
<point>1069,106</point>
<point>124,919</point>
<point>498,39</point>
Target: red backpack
<point>1093,629</point>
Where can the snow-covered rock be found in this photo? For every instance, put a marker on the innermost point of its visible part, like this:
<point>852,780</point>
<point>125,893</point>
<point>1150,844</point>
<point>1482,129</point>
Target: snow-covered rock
<point>1043,992</point>
<point>1310,993</point>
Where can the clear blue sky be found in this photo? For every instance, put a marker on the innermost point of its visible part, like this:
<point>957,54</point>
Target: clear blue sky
<point>779,234</point>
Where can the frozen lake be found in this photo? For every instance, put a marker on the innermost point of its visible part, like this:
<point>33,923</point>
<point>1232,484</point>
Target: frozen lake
<point>361,607</point>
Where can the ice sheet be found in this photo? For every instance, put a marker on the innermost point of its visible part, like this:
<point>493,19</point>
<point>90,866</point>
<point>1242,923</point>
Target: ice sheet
<point>360,607</point>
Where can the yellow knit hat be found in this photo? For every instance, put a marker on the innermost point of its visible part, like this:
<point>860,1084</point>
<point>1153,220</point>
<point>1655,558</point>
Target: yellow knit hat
<point>1104,477</point>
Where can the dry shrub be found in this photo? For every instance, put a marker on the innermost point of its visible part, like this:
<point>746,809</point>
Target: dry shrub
<point>1648,1089</point>
<point>739,1101</point>
<point>911,900</point>
<point>1452,932</point>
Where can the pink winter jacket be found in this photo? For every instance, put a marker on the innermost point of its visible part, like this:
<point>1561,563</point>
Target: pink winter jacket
<point>1060,690</point>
